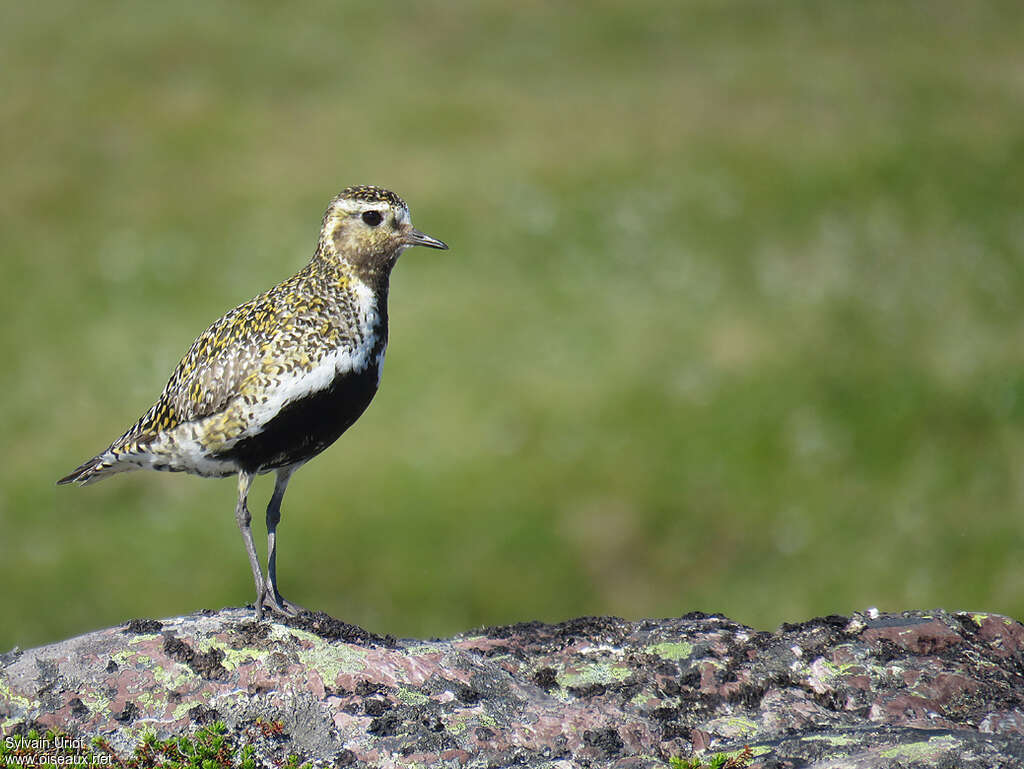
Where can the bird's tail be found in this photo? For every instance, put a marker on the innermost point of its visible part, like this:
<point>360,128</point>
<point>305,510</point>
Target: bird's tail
<point>92,470</point>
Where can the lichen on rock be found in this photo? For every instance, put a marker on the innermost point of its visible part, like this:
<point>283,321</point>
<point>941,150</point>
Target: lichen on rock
<point>871,690</point>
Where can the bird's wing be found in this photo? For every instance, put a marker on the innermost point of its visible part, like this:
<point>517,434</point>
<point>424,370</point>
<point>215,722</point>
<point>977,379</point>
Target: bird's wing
<point>211,372</point>
<point>220,360</point>
<point>238,352</point>
<point>206,380</point>
<point>240,358</point>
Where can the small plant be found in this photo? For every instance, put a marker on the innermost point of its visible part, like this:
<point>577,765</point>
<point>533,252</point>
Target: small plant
<point>718,761</point>
<point>269,729</point>
<point>211,747</point>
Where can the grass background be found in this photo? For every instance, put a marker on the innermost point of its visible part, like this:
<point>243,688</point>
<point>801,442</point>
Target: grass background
<point>731,321</point>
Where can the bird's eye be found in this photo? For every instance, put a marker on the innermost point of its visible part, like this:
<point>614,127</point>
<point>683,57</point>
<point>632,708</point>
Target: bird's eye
<point>372,218</point>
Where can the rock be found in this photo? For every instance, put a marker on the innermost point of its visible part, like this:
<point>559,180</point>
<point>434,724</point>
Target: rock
<point>917,689</point>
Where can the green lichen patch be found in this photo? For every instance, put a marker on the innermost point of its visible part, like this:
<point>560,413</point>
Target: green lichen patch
<point>233,657</point>
<point>97,703</point>
<point>421,650</point>
<point>923,750</point>
<point>836,740</point>
<point>675,651</point>
<point>17,702</point>
<point>172,677</point>
<point>596,673</point>
<point>130,658</point>
<point>409,696</point>
<point>329,660</point>
<point>733,726</point>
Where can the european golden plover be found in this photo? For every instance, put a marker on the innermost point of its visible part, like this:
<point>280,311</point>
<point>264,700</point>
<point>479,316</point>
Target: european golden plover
<point>278,379</point>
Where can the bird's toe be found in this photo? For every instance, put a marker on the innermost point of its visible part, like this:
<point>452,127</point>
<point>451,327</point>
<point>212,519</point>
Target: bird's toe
<point>278,604</point>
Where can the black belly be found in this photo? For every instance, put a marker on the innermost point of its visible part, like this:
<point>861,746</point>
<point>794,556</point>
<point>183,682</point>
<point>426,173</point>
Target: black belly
<point>304,428</point>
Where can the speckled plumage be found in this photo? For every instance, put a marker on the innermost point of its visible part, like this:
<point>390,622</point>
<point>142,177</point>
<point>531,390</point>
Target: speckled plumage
<point>279,378</point>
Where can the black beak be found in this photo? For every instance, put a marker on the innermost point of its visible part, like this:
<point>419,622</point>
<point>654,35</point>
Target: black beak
<point>417,238</point>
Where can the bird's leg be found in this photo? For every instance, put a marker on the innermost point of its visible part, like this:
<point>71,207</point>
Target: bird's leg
<point>243,517</point>
<point>272,595</point>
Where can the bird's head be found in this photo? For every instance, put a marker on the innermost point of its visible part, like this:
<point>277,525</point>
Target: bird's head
<point>369,228</point>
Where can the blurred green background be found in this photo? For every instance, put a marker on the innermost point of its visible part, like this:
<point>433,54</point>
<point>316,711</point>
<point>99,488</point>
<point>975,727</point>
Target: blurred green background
<point>732,318</point>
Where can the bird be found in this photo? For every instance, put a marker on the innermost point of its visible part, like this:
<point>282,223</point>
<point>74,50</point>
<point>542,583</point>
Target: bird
<point>278,379</point>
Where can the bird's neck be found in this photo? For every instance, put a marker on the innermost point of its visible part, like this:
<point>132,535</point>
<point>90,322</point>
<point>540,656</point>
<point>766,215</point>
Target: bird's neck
<point>343,278</point>
<point>375,274</point>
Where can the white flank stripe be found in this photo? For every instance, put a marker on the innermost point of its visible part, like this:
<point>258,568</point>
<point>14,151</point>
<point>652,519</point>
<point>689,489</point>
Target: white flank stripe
<point>336,363</point>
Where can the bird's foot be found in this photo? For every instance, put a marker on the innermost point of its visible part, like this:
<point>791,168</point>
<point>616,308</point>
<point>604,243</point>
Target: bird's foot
<point>278,604</point>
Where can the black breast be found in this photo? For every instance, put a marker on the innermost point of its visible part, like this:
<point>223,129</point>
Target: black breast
<point>305,427</point>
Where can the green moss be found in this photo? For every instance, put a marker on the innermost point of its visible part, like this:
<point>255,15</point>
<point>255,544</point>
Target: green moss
<point>737,759</point>
<point>210,747</point>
